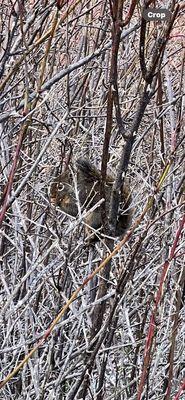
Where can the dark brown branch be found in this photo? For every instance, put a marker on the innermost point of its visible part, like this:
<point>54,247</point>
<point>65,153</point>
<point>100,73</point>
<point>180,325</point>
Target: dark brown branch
<point>151,79</point>
<point>116,12</point>
<point>142,48</point>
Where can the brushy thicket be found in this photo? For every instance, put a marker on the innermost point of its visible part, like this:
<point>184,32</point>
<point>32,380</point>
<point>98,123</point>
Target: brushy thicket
<point>59,74</point>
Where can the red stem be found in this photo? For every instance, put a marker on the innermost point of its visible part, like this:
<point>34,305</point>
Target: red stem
<point>182,389</point>
<point>152,325</point>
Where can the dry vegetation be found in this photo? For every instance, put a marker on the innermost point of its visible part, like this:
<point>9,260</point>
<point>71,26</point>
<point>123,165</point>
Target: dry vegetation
<point>75,82</point>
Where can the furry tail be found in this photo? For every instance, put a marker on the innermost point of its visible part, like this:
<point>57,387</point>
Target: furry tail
<point>89,171</point>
